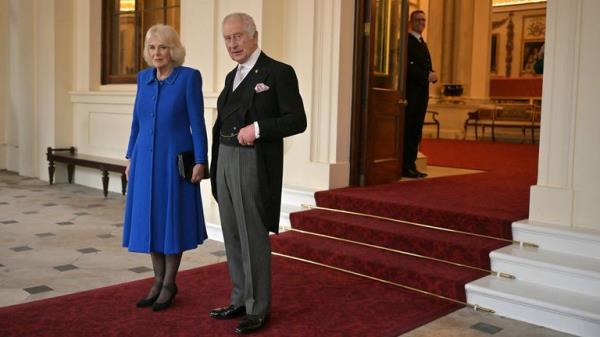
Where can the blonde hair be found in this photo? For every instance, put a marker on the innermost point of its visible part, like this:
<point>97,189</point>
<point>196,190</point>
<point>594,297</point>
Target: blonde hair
<point>169,37</point>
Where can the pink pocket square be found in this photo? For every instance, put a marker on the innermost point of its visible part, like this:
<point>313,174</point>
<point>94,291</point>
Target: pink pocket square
<point>260,87</point>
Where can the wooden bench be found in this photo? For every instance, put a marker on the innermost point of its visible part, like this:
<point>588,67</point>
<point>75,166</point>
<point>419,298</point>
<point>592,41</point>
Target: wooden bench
<point>433,121</point>
<point>72,159</point>
<point>505,115</point>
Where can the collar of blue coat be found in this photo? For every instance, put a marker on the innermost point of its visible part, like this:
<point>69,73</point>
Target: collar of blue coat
<point>151,76</point>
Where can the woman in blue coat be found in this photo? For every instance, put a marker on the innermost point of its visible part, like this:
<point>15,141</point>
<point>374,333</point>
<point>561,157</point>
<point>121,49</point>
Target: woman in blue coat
<point>163,213</point>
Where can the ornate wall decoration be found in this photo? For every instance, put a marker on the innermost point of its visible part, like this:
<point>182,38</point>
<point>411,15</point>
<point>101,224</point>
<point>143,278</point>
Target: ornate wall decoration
<point>534,27</point>
<point>498,24</point>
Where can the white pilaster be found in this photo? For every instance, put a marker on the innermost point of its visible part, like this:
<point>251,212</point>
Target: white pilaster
<point>20,117</point>
<point>4,85</point>
<point>568,174</point>
<point>481,54</point>
<point>201,43</point>
<point>332,89</point>
<point>44,93</point>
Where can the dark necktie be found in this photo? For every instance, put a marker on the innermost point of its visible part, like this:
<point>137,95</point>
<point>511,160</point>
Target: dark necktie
<point>427,52</point>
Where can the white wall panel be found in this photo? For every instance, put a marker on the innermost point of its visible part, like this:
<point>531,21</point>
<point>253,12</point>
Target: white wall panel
<point>108,131</point>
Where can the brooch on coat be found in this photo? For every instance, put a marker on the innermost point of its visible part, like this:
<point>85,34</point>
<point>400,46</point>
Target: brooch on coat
<point>260,87</point>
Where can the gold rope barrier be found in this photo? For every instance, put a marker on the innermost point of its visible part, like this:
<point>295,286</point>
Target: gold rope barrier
<point>473,306</point>
<point>491,272</point>
<point>522,243</point>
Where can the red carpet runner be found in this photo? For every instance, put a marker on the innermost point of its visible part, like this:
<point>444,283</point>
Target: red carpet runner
<point>315,301</point>
<point>308,301</point>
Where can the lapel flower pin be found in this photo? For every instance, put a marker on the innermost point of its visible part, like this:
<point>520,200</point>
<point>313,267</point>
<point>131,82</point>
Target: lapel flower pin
<point>260,87</point>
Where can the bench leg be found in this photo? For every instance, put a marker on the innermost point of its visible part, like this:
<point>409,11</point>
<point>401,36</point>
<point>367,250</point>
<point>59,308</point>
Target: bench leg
<point>70,172</point>
<point>51,171</point>
<point>123,183</point>
<point>105,182</point>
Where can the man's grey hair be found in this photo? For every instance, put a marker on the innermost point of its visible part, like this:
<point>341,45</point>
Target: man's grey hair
<point>247,21</point>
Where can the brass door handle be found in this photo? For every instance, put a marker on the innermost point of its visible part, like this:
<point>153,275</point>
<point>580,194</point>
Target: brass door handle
<point>403,102</point>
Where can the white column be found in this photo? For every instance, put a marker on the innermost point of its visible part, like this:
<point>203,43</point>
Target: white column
<point>87,34</point>
<point>332,88</point>
<point>480,65</point>
<point>20,117</point>
<point>53,40</point>
<point>4,85</point>
<point>201,41</point>
<point>568,186</point>
<point>45,69</point>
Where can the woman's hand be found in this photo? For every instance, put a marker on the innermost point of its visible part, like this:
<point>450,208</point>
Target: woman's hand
<point>127,169</point>
<point>197,173</point>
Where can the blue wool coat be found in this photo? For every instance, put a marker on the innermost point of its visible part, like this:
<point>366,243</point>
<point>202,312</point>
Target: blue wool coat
<point>163,213</point>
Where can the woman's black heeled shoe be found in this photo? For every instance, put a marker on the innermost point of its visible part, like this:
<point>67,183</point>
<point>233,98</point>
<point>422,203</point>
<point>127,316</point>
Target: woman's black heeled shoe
<point>148,302</point>
<point>158,306</point>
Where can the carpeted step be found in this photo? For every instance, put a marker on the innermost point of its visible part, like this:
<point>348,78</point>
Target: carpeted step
<point>470,204</point>
<point>432,276</point>
<point>455,247</point>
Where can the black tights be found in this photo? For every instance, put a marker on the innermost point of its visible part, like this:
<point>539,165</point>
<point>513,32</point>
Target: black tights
<point>165,270</point>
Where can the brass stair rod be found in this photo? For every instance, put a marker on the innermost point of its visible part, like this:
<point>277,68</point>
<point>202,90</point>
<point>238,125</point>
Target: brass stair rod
<point>473,306</point>
<point>491,272</point>
<point>522,243</point>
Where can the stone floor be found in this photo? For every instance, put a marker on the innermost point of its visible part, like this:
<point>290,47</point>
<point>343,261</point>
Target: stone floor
<point>61,239</point>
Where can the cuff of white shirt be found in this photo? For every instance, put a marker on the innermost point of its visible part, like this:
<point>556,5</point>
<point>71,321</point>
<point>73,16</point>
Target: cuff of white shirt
<point>256,130</point>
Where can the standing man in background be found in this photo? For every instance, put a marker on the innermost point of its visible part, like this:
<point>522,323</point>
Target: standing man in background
<point>259,106</point>
<point>419,74</point>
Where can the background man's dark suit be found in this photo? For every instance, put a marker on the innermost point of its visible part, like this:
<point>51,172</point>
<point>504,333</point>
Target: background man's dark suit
<point>247,183</point>
<point>417,95</point>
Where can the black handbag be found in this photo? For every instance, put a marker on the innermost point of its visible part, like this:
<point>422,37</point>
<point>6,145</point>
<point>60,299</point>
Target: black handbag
<point>185,166</point>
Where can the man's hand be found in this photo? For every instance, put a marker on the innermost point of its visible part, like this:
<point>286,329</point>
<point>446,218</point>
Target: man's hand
<point>247,135</point>
<point>127,169</point>
<point>433,77</point>
<point>197,173</point>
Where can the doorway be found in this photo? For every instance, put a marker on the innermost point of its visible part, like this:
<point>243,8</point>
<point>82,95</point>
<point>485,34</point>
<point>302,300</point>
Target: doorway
<point>379,93</point>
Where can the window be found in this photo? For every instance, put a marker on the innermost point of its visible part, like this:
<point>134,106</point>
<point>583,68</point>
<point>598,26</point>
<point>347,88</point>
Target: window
<point>124,25</point>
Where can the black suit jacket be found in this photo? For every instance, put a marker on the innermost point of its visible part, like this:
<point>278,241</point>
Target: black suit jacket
<point>418,66</point>
<point>279,112</point>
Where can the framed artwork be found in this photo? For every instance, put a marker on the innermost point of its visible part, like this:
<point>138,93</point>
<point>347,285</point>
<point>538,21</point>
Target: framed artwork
<point>529,55</point>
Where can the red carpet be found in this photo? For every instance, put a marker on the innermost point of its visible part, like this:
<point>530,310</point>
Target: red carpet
<point>308,301</point>
<point>314,301</point>
<point>485,203</point>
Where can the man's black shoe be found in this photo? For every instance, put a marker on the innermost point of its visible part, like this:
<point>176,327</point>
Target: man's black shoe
<point>413,173</point>
<point>228,312</point>
<point>251,323</point>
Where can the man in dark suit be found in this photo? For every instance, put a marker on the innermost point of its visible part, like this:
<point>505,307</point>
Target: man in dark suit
<point>419,74</point>
<point>259,106</point>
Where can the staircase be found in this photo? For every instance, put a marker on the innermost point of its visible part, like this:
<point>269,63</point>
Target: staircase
<point>556,285</point>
